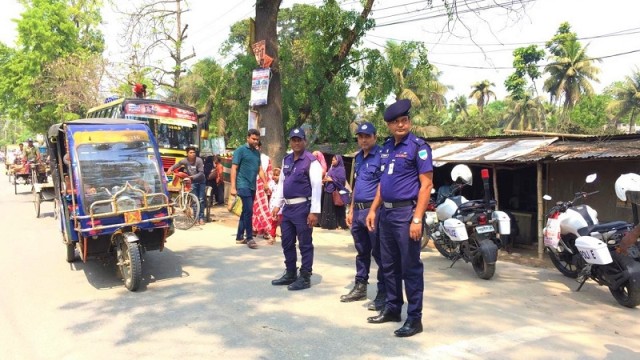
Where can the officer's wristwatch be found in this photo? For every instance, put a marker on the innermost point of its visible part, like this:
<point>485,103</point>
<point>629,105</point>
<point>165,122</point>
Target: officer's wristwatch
<point>415,221</point>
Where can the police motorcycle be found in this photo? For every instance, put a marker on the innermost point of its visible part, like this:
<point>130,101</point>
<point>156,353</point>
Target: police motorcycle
<point>470,229</point>
<point>582,248</point>
<point>627,188</point>
<point>566,221</point>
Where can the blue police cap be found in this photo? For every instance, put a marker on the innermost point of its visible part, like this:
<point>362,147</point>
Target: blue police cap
<point>398,108</point>
<point>297,132</point>
<point>366,128</point>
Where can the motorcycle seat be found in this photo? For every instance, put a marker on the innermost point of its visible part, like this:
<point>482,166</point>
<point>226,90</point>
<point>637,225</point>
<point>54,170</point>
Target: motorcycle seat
<point>603,227</point>
<point>475,204</point>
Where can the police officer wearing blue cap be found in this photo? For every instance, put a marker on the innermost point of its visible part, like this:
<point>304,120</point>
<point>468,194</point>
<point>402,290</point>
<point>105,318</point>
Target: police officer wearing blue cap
<point>299,194</point>
<point>402,196</point>
<point>367,176</point>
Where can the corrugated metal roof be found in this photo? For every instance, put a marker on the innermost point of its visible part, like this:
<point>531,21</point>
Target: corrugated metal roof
<point>576,150</point>
<point>486,150</point>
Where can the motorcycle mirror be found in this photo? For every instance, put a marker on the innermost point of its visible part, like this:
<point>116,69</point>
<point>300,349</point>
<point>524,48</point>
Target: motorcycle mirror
<point>591,178</point>
<point>546,197</point>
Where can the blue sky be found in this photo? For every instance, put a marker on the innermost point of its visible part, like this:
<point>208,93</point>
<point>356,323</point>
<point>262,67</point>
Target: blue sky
<point>479,47</point>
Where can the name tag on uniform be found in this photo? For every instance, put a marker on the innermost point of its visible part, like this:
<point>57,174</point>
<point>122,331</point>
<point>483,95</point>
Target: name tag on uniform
<point>390,168</point>
<point>403,155</point>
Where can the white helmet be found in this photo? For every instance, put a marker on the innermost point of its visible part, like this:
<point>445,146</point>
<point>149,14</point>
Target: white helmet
<point>463,173</point>
<point>627,182</point>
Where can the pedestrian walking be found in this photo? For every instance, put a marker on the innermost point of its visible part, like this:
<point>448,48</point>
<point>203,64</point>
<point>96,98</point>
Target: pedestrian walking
<point>366,179</point>
<point>298,194</point>
<point>194,167</point>
<point>402,196</point>
<point>245,168</point>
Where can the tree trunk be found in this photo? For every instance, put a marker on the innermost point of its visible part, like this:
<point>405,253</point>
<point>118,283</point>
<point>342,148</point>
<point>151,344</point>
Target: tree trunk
<point>273,141</point>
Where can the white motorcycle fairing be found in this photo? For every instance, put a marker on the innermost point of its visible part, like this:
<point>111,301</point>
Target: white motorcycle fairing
<point>455,230</point>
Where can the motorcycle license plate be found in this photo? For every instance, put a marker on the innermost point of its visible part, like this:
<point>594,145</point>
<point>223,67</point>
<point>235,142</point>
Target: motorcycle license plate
<point>484,229</point>
<point>431,214</point>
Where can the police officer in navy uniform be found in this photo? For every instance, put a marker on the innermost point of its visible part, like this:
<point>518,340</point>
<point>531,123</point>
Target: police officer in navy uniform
<point>367,177</point>
<point>403,195</point>
<point>300,192</point>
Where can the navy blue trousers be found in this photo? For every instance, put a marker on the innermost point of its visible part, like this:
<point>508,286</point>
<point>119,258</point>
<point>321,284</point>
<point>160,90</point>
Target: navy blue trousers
<point>367,244</point>
<point>401,261</point>
<point>294,225</point>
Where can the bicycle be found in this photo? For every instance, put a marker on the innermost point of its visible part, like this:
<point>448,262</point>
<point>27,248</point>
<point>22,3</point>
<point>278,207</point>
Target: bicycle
<point>186,205</point>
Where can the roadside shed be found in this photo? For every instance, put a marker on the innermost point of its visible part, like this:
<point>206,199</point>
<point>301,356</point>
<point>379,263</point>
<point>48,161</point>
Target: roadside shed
<point>528,165</point>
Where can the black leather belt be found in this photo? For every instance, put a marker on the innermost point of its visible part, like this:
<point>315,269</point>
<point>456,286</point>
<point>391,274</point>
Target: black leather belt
<point>397,204</point>
<point>362,205</point>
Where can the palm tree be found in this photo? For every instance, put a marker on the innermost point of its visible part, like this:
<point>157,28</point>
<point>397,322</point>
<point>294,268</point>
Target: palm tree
<point>482,93</point>
<point>627,100</point>
<point>459,105</point>
<point>525,113</point>
<point>570,74</point>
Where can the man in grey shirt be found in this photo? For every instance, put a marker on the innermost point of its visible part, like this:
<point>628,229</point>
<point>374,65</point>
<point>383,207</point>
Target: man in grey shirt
<point>194,167</point>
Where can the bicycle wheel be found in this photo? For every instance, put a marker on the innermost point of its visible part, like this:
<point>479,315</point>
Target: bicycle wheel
<point>187,210</point>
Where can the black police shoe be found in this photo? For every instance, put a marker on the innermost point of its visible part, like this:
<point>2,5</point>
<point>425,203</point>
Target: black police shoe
<point>359,292</point>
<point>384,316</point>
<point>287,278</point>
<point>410,328</point>
<point>378,303</point>
<point>302,282</point>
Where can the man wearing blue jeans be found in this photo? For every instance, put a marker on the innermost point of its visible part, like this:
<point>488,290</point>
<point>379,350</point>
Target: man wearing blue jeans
<point>245,167</point>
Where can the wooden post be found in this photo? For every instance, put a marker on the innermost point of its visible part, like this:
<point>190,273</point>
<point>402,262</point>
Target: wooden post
<point>540,212</point>
<point>495,187</point>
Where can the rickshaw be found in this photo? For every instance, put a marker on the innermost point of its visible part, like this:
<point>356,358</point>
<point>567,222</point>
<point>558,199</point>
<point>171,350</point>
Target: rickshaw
<point>111,192</point>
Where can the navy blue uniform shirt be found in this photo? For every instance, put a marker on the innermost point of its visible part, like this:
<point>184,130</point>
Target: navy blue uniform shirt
<point>367,175</point>
<point>401,165</point>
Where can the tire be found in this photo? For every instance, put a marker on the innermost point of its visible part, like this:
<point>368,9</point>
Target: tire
<point>445,247</point>
<point>129,264</point>
<point>187,210</point>
<point>568,264</point>
<point>628,295</point>
<point>483,270</point>
<point>71,251</point>
<point>36,202</point>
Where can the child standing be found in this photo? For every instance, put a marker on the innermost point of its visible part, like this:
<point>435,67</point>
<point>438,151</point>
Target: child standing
<point>273,185</point>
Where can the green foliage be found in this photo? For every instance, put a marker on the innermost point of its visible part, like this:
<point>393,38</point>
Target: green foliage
<point>570,74</point>
<point>51,33</point>
<point>525,61</point>
<point>590,113</point>
<point>310,39</point>
<point>564,35</point>
<point>526,113</point>
<point>482,93</point>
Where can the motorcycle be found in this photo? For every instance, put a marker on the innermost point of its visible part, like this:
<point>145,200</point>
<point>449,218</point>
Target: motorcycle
<point>566,221</point>
<point>470,229</point>
<point>580,247</point>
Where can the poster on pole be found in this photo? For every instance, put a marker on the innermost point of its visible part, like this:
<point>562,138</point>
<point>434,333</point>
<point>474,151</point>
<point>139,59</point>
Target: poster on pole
<point>218,145</point>
<point>260,87</point>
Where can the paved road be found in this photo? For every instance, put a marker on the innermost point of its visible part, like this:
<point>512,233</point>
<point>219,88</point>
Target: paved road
<point>205,297</point>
